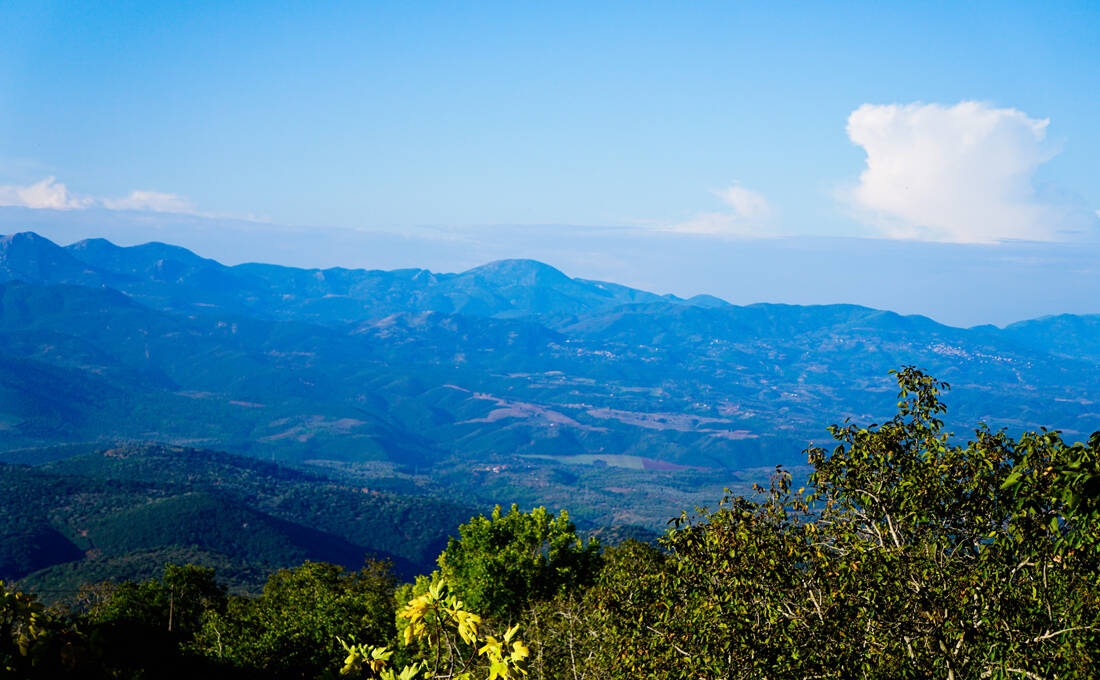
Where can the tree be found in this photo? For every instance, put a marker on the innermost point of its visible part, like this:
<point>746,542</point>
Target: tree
<point>291,630</point>
<point>36,644</point>
<point>175,603</point>
<point>147,628</point>
<point>502,562</point>
<point>573,635</point>
<point>911,557</point>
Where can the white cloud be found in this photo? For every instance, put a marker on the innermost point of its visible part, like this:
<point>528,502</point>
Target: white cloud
<point>749,213</point>
<point>961,173</point>
<point>48,193</point>
<point>151,201</point>
<point>746,203</point>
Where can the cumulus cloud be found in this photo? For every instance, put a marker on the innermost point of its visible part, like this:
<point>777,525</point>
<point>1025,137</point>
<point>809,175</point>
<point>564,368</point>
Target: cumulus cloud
<point>961,173</point>
<point>748,214</point>
<point>48,193</point>
<point>53,195</point>
<point>151,201</point>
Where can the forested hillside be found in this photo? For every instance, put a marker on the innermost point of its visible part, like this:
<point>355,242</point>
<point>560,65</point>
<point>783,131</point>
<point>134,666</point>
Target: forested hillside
<point>506,382</point>
<point>905,556</point>
<point>513,357</point>
<point>122,513</point>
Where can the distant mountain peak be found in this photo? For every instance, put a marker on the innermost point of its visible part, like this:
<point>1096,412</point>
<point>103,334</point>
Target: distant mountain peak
<point>518,271</point>
<point>25,239</point>
<point>709,301</point>
<point>33,258</point>
<point>101,248</point>
<point>94,242</point>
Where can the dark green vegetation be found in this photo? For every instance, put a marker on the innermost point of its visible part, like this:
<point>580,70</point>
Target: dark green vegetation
<point>507,383</point>
<point>124,512</point>
<point>906,556</point>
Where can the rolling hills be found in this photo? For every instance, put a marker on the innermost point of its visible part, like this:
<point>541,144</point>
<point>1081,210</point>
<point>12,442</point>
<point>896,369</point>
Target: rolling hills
<point>510,381</point>
<point>123,512</point>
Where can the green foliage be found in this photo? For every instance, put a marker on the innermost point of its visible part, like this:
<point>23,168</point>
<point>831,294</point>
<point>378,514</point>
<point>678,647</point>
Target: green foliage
<point>122,631</point>
<point>447,640</point>
<point>292,629</point>
<point>502,562</point>
<point>33,643</point>
<point>577,634</point>
<point>140,628</point>
<point>912,557</point>
<point>175,603</point>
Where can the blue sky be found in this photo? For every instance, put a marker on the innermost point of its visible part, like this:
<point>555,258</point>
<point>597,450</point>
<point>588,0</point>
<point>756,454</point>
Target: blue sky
<point>703,127</point>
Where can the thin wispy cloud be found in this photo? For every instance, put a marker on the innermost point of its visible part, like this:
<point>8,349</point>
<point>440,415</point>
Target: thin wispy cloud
<point>961,173</point>
<point>748,215</point>
<point>151,201</point>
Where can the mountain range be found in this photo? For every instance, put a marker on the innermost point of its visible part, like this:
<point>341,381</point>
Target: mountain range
<point>508,381</point>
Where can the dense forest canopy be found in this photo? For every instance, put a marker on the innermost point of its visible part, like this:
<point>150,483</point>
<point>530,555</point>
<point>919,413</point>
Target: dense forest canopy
<point>906,555</point>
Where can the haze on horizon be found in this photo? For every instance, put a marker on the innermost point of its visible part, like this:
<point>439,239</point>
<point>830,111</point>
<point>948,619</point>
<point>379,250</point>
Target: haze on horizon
<point>939,161</point>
